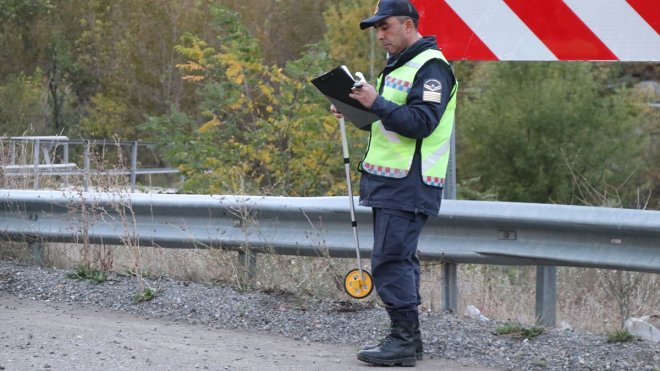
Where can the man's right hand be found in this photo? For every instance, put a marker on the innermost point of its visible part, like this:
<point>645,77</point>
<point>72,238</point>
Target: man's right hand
<point>336,112</point>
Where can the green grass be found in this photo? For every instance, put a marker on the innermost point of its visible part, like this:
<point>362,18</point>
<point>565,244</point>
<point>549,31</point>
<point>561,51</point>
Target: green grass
<point>517,330</point>
<point>620,336</point>
<point>94,275</point>
<point>507,328</point>
<point>145,295</point>
<point>542,363</point>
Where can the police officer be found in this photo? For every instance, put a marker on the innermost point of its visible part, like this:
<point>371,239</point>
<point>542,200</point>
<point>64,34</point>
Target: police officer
<point>404,168</point>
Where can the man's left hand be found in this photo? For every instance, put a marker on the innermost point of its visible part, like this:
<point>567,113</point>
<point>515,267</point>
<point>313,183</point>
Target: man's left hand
<point>366,95</point>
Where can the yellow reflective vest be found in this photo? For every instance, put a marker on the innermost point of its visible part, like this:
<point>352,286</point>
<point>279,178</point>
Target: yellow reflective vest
<point>390,154</point>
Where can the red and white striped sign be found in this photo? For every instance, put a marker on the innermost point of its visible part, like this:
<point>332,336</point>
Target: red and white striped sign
<point>543,30</point>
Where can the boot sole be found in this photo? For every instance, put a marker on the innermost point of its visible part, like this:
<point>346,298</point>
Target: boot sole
<point>420,356</point>
<point>404,362</point>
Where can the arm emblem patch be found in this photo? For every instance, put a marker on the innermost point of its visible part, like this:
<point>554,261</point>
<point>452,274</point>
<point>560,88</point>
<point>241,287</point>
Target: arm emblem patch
<point>432,91</point>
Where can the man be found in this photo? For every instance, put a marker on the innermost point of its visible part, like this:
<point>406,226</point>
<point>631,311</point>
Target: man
<point>404,168</point>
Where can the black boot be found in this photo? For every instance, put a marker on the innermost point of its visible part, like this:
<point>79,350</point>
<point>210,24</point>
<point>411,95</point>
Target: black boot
<point>398,348</point>
<point>417,338</point>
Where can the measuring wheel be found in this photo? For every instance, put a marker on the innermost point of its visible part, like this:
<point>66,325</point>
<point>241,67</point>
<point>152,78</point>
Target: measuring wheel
<point>356,287</point>
<point>357,283</point>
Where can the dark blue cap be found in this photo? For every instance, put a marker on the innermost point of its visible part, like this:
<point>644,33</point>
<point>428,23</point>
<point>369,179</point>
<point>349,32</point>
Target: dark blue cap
<point>388,8</point>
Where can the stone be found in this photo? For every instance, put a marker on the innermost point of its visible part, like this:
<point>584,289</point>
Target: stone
<point>646,327</point>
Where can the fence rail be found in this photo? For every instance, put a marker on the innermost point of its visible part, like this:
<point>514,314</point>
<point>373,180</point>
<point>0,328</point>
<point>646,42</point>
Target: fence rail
<point>46,156</point>
<point>479,232</point>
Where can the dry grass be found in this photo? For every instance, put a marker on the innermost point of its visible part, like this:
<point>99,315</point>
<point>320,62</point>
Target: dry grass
<point>14,251</point>
<point>502,293</point>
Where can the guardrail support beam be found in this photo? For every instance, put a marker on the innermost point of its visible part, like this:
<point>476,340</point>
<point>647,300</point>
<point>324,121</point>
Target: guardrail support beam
<point>35,162</point>
<point>86,166</point>
<point>449,287</point>
<point>247,260</point>
<point>134,155</point>
<point>37,252</point>
<point>546,295</point>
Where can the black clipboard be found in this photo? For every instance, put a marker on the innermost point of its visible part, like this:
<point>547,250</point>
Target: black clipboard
<point>336,85</point>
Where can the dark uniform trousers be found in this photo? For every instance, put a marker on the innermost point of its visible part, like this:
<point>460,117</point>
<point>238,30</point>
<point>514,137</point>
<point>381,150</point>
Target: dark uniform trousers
<point>394,262</point>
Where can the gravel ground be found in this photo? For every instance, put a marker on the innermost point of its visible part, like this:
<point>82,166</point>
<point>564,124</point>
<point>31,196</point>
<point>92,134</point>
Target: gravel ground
<point>445,336</point>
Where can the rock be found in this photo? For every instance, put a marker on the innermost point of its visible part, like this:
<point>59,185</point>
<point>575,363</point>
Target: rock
<point>646,327</point>
<point>474,312</point>
<point>565,326</point>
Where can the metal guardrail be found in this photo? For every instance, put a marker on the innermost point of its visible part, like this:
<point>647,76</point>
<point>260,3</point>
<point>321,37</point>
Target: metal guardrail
<point>479,232</point>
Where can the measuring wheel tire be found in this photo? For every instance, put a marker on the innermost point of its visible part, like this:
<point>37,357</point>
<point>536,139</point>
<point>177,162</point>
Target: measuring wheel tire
<point>358,288</point>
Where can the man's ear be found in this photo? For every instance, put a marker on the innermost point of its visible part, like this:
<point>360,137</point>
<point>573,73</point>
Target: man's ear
<point>410,25</point>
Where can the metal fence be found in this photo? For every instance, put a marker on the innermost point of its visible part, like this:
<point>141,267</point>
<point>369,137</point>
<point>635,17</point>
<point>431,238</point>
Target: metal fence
<point>478,232</point>
<point>49,156</point>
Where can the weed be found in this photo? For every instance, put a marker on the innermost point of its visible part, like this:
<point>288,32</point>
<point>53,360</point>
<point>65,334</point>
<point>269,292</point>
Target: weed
<point>243,311</point>
<point>82,272</point>
<point>507,328</point>
<point>532,332</point>
<point>629,290</point>
<point>145,295</point>
<point>540,363</point>
<point>517,330</point>
<point>620,336</point>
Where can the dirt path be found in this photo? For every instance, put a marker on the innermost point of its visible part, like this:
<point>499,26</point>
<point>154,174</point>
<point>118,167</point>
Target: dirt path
<point>45,335</point>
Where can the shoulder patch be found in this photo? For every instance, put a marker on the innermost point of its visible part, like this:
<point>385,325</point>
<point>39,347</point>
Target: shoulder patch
<point>432,91</point>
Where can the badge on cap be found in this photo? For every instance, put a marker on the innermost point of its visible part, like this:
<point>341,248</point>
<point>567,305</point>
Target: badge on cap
<point>432,91</point>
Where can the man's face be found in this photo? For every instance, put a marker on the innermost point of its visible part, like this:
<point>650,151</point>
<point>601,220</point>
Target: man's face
<point>393,34</point>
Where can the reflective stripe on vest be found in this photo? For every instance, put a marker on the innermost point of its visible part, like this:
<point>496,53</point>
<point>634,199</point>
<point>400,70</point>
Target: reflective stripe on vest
<point>390,154</point>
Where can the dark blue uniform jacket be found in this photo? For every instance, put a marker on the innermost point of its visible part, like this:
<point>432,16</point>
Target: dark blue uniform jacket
<point>416,119</point>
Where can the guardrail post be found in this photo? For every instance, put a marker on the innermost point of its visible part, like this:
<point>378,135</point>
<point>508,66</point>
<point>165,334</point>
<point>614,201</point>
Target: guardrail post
<point>546,295</point>
<point>134,153</point>
<point>449,190</point>
<point>247,260</point>
<point>65,159</point>
<point>35,160</point>
<point>449,287</point>
<point>86,155</point>
<point>37,251</point>
<point>12,152</point>
<point>450,277</point>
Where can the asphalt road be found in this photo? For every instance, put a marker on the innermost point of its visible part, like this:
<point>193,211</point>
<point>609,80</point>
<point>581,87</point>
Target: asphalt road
<point>45,335</point>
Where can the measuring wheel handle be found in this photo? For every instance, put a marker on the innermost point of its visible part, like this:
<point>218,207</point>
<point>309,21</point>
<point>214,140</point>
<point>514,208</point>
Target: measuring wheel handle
<point>358,287</point>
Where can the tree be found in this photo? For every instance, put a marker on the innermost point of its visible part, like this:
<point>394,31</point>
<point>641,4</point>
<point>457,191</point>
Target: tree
<point>127,50</point>
<point>257,129</point>
<point>646,100</point>
<point>35,43</point>
<point>21,108</point>
<point>21,46</point>
<point>530,130</point>
<point>283,28</point>
<point>348,44</point>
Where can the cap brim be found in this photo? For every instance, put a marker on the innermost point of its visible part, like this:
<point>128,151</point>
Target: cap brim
<point>369,22</point>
